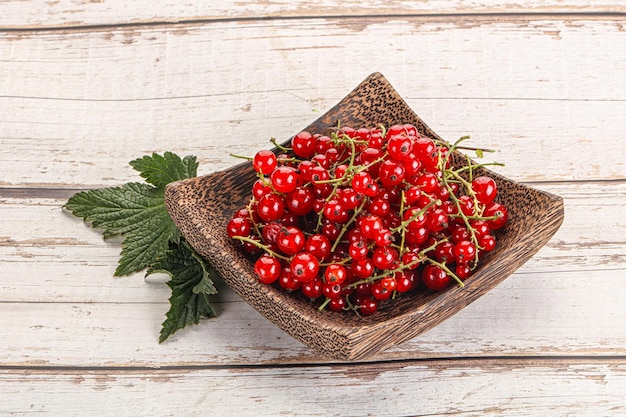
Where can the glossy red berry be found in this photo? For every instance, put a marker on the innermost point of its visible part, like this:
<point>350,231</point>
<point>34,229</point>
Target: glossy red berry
<point>267,269</point>
<point>371,226</point>
<point>300,201</point>
<point>290,240</point>
<point>284,179</point>
<point>304,144</point>
<point>500,212</point>
<point>304,267</point>
<point>464,251</point>
<point>270,207</point>
<point>312,289</point>
<point>335,273</point>
<point>435,278</point>
<point>485,189</point>
<point>264,162</point>
<point>239,226</point>
<point>399,147</point>
<point>318,245</point>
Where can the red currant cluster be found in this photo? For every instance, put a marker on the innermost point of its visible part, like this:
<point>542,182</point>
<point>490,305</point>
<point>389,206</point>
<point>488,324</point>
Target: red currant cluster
<point>361,215</point>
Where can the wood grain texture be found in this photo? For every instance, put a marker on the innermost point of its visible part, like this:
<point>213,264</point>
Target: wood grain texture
<point>30,14</point>
<point>566,300</point>
<point>77,123</point>
<point>86,86</point>
<point>435,388</point>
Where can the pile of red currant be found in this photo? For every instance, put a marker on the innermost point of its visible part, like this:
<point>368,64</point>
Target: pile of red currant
<point>357,216</point>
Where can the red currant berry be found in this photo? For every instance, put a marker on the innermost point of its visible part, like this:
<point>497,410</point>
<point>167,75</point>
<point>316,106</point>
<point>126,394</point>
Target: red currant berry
<point>358,250</point>
<point>337,304</point>
<point>384,238</point>
<point>264,162</point>
<point>270,207</point>
<point>335,273</point>
<point>304,144</point>
<point>260,189</point>
<point>444,252</point>
<point>318,174</point>
<point>331,230</point>
<point>406,280</point>
<point>428,182</point>
<point>379,292</point>
<point>435,278</point>
<point>487,242</point>
<point>331,290</point>
<point>300,201</point>
<point>485,189</point>
<point>290,240</point>
<point>463,271</point>
<point>371,226</point>
<point>335,212</point>
<point>284,179</point>
<point>363,268</point>
<point>384,257</point>
<point>287,281</point>
<point>411,260</point>
<point>368,307</point>
<point>500,212</point>
<point>304,267</point>
<point>361,182</point>
<point>319,245</point>
<point>349,198</point>
<point>239,226</point>
<point>416,236</point>
<point>466,204</point>
<point>399,147</point>
<point>436,220</point>
<point>267,269</point>
<point>379,207</point>
<point>389,283</point>
<point>312,289</point>
<point>391,173</point>
<point>464,251</point>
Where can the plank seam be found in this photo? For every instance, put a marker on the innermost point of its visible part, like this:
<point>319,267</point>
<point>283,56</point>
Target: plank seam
<point>498,16</point>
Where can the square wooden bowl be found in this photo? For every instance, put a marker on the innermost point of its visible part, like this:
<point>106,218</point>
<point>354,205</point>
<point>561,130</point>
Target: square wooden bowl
<point>201,208</point>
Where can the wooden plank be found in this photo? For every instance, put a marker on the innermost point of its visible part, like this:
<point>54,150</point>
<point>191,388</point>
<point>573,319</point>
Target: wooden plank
<point>439,388</point>
<point>85,103</point>
<point>573,313</point>
<point>79,264</point>
<point>60,303</point>
<point>65,13</point>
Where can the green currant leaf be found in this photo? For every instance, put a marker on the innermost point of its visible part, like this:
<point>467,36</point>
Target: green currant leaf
<point>160,170</point>
<point>136,211</point>
<point>191,287</point>
<point>479,153</point>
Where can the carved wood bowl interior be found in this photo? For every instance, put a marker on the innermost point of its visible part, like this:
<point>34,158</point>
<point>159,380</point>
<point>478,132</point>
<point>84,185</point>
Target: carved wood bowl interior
<point>201,207</point>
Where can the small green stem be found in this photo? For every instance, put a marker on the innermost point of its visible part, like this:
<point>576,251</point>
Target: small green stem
<point>262,246</point>
<point>247,158</point>
<point>324,304</point>
<point>279,146</point>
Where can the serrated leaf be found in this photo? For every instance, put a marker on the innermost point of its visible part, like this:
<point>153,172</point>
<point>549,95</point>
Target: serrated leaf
<point>136,212</point>
<point>191,286</point>
<point>160,170</point>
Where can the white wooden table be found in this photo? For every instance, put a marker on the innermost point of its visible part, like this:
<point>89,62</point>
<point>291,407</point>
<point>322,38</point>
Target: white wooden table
<point>86,86</point>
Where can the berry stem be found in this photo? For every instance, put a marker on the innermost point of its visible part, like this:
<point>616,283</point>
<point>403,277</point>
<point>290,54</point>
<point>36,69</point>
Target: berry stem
<point>247,158</point>
<point>262,246</point>
<point>448,271</point>
<point>344,229</point>
<point>279,146</point>
<point>324,304</point>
